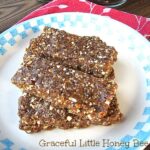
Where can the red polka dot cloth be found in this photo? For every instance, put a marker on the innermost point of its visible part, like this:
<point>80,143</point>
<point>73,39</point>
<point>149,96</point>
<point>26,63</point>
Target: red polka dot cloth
<point>139,23</point>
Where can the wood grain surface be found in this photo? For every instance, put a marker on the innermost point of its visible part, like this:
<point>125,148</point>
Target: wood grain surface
<point>138,7</point>
<point>12,11</point>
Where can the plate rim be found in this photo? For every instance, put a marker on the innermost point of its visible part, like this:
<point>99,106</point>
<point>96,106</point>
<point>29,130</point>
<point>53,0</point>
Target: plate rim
<point>77,13</point>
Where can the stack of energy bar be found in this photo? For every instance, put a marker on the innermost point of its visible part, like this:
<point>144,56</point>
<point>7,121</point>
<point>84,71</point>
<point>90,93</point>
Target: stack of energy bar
<point>67,82</point>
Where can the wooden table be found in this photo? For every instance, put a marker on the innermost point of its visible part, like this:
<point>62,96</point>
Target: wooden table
<point>13,10</point>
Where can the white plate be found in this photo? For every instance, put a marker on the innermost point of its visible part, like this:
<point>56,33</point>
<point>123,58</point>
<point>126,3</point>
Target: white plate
<point>132,74</point>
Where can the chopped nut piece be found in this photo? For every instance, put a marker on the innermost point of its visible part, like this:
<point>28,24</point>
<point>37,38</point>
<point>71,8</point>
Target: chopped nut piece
<point>89,116</point>
<point>72,99</point>
<point>50,108</point>
<point>38,122</point>
<point>107,102</point>
<point>69,118</point>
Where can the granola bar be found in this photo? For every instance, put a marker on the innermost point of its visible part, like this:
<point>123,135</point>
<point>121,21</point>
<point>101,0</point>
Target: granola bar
<point>37,114</point>
<point>64,86</point>
<point>86,53</point>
